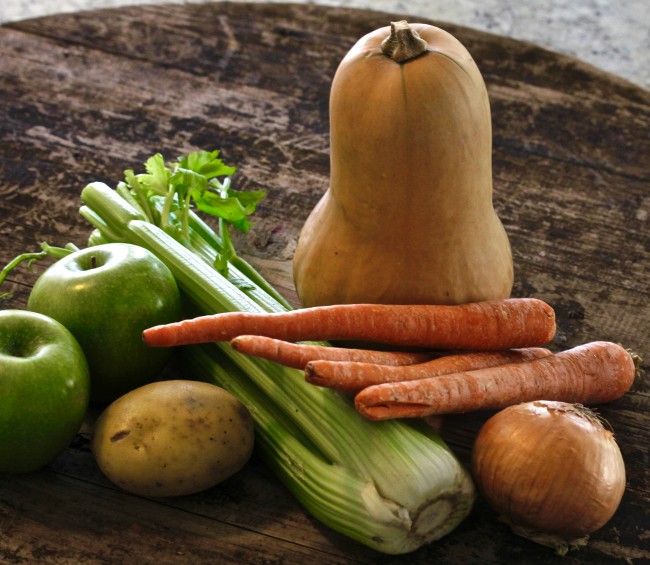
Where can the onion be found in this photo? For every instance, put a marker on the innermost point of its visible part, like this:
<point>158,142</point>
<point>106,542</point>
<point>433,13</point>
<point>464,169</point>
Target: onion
<point>551,470</point>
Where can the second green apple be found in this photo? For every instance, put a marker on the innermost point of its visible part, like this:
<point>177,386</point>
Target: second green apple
<point>106,296</point>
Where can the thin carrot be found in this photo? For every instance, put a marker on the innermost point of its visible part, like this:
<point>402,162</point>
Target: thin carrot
<point>297,355</point>
<point>352,377</point>
<point>593,373</point>
<point>491,325</point>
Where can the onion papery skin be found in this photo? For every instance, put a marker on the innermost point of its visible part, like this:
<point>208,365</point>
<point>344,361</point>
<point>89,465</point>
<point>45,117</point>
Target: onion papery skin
<point>549,467</point>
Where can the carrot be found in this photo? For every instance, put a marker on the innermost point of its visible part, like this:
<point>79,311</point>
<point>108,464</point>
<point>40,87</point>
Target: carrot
<point>352,377</point>
<point>297,355</point>
<point>491,325</point>
<point>593,373</point>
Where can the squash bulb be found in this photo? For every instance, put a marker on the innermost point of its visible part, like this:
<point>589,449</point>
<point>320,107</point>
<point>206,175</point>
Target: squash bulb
<point>408,217</point>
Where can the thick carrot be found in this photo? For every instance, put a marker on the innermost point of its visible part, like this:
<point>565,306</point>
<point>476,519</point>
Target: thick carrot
<point>297,355</point>
<point>352,376</point>
<point>593,373</point>
<point>491,325</point>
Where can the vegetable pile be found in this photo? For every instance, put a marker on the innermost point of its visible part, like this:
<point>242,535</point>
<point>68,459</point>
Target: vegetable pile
<point>345,427</point>
<point>512,374</point>
<point>392,486</point>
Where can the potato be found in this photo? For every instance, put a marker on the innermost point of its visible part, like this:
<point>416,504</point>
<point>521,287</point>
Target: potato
<point>172,438</point>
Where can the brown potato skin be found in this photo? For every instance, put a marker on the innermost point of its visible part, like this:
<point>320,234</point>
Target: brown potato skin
<point>173,438</point>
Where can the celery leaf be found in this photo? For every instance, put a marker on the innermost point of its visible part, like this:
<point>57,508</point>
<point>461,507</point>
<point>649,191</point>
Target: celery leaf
<point>199,179</point>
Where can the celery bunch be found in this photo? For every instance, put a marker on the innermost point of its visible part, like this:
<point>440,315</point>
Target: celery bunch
<point>392,486</point>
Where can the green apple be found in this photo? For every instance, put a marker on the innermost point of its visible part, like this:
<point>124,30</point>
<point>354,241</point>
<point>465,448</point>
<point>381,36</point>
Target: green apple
<point>44,390</point>
<point>106,296</point>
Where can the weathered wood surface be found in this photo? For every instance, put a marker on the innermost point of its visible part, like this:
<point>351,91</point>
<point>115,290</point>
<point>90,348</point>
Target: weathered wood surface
<point>84,96</point>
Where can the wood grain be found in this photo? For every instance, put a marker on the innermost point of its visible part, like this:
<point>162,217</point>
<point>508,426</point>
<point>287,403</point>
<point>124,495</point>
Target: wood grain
<point>84,96</point>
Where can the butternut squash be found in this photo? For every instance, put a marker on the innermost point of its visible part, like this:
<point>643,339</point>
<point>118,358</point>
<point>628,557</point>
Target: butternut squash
<point>408,217</point>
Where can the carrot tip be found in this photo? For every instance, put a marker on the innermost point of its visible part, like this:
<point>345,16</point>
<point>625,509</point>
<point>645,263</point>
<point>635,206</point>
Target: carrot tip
<point>149,337</point>
<point>313,377</point>
<point>160,336</point>
<point>310,373</point>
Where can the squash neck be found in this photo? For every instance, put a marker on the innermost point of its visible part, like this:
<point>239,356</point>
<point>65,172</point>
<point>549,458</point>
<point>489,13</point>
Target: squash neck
<point>403,43</point>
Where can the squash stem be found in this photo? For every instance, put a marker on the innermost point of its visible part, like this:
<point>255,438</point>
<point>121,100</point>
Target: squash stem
<point>403,43</point>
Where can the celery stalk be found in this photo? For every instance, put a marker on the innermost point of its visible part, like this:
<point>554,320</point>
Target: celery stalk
<point>389,485</point>
<point>109,214</point>
<point>202,231</point>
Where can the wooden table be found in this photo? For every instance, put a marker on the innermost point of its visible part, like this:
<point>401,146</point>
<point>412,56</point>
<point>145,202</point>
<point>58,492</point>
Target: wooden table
<point>84,96</point>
